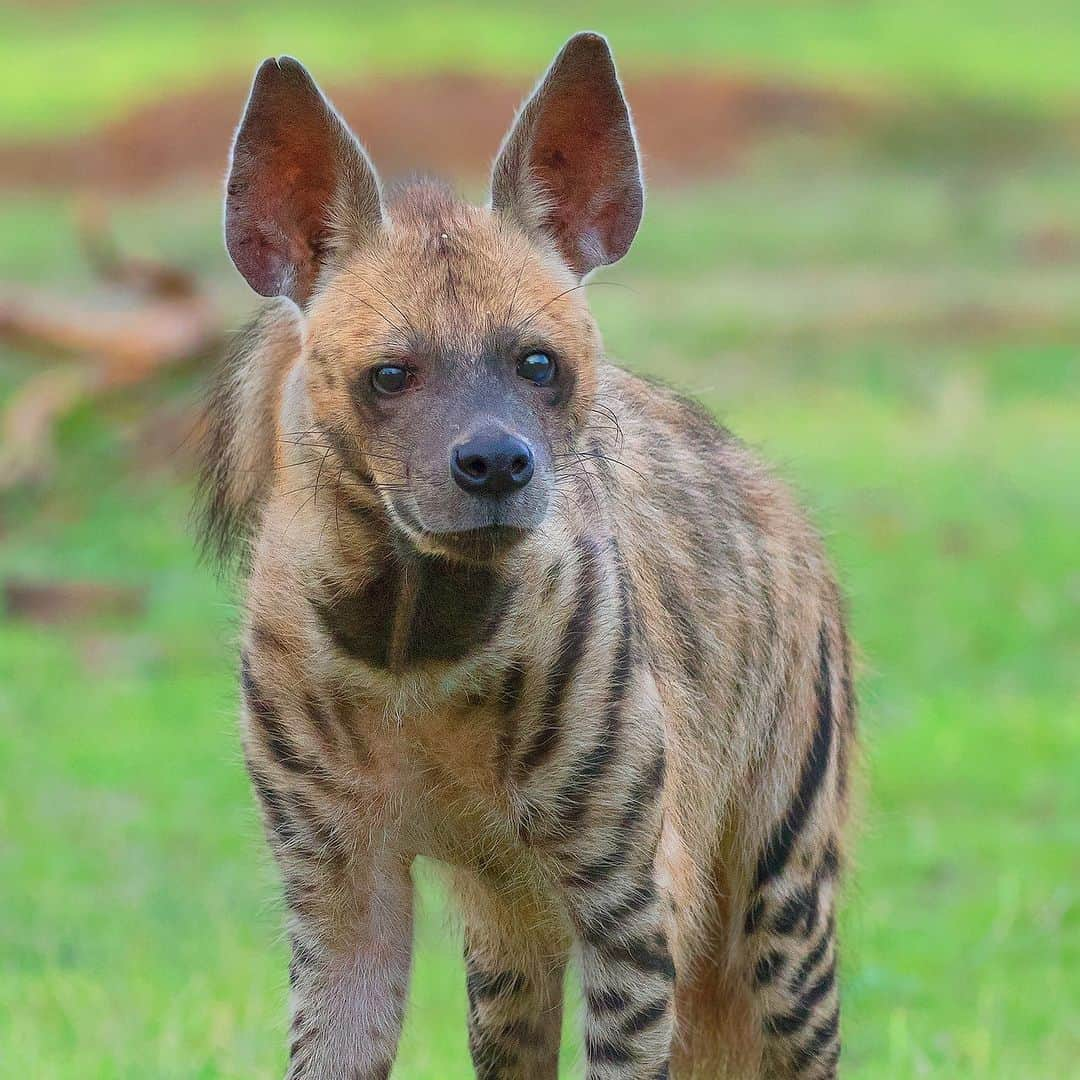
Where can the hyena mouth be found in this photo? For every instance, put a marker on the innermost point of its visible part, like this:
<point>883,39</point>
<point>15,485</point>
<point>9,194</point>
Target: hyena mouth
<point>476,533</point>
<point>480,545</point>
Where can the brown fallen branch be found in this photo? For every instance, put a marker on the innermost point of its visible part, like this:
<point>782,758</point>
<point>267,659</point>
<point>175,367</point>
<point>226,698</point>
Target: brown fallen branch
<point>154,279</point>
<point>26,443</point>
<point>154,319</point>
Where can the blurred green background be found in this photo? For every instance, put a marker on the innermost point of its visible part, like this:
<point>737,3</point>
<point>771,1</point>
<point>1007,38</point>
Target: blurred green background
<point>862,250</point>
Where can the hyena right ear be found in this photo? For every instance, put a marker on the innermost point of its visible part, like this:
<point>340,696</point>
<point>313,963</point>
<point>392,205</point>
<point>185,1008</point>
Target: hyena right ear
<point>300,185</point>
<point>569,170</point>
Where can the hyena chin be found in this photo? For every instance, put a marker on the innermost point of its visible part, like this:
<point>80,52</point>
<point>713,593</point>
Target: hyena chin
<point>519,612</point>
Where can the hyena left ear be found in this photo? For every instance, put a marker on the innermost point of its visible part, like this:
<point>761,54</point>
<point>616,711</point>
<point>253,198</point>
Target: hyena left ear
<point>569,169</point>
<point>300,185</point>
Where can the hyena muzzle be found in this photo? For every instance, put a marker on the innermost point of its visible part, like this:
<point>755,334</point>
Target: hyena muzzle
<point>519,612</point>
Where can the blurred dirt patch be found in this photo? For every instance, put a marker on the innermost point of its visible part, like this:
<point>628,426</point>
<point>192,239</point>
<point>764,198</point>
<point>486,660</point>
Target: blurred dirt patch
<point>1051,245</point>
<point>52,603</point>
<point>690,124</point>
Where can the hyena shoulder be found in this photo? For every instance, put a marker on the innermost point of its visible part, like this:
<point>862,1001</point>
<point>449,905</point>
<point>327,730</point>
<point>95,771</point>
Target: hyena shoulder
<point>694,490</point>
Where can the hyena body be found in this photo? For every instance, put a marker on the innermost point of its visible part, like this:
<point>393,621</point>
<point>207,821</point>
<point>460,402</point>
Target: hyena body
<point>611,696</point>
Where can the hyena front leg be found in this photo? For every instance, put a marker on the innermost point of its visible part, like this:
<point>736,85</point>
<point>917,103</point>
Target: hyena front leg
<point>791,928</point>
<point>349,904</point>
<point>794,975</point>
<point>515,963</point>
<point>349,971</point>
<point>790,922</point>
<point>621,918</point>
<point>589,779</point>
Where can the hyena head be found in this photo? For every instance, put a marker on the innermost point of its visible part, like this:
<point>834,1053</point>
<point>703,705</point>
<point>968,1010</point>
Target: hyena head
<point>451,357</point>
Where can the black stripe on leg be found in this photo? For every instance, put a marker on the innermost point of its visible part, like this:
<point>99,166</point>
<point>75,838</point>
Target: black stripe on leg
<point>552,577</point>
<point>299,896</point>
<point>768,966</point>
<point>320,719</point>
<point>519,1032</point>
<point>322,830</point>
<point>490,1059</point>
<point>641,954</point>
<point>485,986</point>
<point>572,799</point>
<point>782,840</point>
<point>830,860</point>
<point>574,639</point>
<point>607,1001</point>
<point>790,1022</point>
<point>598,927</point>
<point>607,1051</point>
<point>799,912</point>
<point>508,698</point>
<point>640,799</point>
<point>274,805</point>
<point>814,957</point>
<point>302,1041</point>
<point>644,1018</point>
<point>510,690</point>
<point>820,988</point>
<point>753,916</point>
<point>263,711</point>
<point>272,729</point>
<point>850,709</point>
<point>303,955</point>
<point>286,813</point>
<point>267,639</point>
<point>822,1037</point>
<point>687,633</point>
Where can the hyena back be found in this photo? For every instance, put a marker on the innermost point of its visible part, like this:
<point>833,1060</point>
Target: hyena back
<point>519,612</point>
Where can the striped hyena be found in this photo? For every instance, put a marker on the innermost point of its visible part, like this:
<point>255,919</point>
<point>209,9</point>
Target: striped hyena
<point>520,612</point>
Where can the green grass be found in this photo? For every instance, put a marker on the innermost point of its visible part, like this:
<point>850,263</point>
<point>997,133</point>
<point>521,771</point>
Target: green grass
<point>64,68</point>
<point>139,934</point>
<point>868,317</point>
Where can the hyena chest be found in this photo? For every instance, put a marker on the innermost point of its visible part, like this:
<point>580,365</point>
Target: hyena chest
<point>415,611</point>
<point>433,649</point>
<point>434,778</point>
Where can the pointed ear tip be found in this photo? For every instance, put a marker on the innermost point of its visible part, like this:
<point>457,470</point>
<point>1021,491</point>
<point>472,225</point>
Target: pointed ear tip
<point>264,71</point>
<point>588,40</point>
<point>279,68</point>
<point>289,64</point>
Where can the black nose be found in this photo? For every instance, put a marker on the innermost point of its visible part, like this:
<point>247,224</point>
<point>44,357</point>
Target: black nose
<point>492,464</point>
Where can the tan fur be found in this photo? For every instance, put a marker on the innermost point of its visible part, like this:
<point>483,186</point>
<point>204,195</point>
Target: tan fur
<point>703,581</point>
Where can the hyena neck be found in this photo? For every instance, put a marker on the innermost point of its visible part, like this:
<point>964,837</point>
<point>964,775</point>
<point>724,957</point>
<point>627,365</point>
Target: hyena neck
<point>396,608</point>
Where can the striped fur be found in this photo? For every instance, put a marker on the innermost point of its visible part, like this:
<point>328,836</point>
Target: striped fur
<point>626,736</point>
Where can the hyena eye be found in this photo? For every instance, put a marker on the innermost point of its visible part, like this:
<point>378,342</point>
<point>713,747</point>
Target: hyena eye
<point>390,378</point>
<point>537,367</point>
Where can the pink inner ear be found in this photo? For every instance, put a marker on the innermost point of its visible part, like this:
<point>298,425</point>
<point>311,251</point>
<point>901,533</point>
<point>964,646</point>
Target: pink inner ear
<point>584,155</point>
<point>597,207</point>
<point>275,260</point>
<point>289,158</point>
